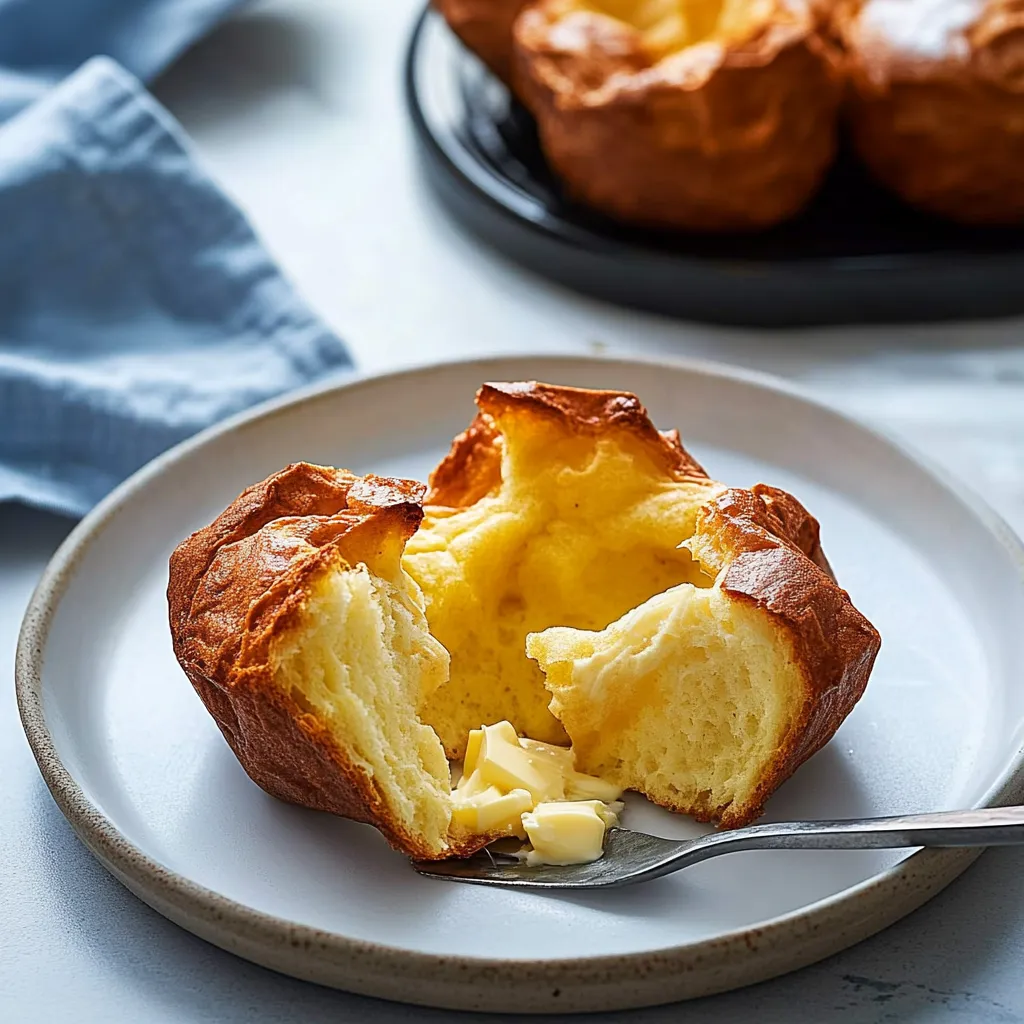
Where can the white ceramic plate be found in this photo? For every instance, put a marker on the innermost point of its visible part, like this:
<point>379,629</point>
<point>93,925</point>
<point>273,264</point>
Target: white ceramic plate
<point>145,778</point>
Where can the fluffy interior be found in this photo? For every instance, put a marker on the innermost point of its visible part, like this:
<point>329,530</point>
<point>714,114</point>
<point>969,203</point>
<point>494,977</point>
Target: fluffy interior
<point>687,698</point>
<point>667,26</point>
<point>580,531</point>
<point>362,660</point>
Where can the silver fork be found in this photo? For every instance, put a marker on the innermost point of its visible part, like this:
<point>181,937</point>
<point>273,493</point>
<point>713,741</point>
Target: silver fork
<point>631,857</point>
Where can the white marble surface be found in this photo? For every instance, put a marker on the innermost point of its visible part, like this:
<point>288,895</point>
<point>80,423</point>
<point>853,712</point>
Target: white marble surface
<point>296,107</point>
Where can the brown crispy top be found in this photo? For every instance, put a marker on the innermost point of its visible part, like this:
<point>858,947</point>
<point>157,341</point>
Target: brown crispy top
<point>589,58</point>
<point>472,467</point>
<point>229,575</point>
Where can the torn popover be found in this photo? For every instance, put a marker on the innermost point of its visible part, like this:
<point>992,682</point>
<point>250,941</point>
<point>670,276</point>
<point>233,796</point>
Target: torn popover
<point>691,642</point>
<point>709,695</point>
<point>575,577</point>
<point>558,506</point>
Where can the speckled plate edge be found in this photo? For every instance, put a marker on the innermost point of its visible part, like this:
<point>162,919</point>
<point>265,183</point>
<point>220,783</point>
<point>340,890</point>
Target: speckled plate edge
<point>738,958</point>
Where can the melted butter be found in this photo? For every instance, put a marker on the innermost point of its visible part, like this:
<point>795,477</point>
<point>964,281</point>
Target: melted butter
<point>531,790</point>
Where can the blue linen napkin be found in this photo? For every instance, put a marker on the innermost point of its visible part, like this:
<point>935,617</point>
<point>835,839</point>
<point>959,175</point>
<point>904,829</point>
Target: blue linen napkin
<point>136,304</point>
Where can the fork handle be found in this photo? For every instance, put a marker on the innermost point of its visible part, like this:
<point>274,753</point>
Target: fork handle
<point>989,826</point>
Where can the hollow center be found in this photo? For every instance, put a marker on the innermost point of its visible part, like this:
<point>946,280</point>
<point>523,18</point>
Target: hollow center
<point>667,26</point>
<point>578,534</point>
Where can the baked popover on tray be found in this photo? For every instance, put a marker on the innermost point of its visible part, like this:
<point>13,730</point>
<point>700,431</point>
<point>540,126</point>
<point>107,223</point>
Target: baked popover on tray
<point>723,115</point>
<point>719,116</point>
<point>936,102</point>
<point>573,609</point>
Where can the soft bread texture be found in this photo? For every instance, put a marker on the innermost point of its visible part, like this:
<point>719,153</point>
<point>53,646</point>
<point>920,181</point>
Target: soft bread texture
<point>307,642</point>
<point>706,698</point>
<point>558,506</point>
<point>730,653</point>
<point>942,125</point>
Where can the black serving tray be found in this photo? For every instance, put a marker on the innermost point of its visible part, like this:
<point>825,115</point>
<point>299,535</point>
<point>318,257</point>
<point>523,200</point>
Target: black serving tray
<point>856,255</point>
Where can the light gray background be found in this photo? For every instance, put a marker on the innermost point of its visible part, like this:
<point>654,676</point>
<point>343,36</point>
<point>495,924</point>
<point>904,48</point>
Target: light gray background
<point>295,106</point>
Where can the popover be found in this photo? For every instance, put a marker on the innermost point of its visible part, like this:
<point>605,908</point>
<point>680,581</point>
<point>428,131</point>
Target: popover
<point>713,116</point>
<point>696,646</point>
<point>574,576</point>
<point>936,102</point>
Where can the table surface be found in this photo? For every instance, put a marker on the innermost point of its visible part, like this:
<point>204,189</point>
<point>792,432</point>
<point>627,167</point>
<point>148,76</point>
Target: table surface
<point>295,106</point>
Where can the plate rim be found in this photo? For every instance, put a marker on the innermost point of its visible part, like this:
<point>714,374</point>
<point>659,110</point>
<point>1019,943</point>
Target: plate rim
<point>731,960</point>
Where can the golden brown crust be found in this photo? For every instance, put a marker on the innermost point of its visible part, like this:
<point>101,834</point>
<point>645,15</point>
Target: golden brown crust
<point>472,467</point>
<point>714,137</point>
<point>767,543</point>
<point>485,26</point>
<point>738,136</point>
<point>795,523</point>
<point>944,131</point>
<point>240,583</point>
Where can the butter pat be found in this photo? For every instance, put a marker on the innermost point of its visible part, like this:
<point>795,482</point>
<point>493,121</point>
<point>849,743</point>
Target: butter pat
<point>469,762</point>
<point>560,758</point>
<point>567,832</point>
<point>522,787</point>
<point>491,811</point>
<point>503,762</point>
<point>589,787</point>
<point>576,785</point>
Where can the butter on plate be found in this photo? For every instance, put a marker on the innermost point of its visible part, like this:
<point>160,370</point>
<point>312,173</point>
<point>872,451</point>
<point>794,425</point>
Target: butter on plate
<point>531,790</point>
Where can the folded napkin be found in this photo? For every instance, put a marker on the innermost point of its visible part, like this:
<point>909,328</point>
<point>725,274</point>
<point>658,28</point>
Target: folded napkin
<point>136,304</point>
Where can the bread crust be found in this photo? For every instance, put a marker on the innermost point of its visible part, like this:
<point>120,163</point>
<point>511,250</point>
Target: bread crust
<point>472,467</point>
<point>943,130</point>
<point>737,135</point>
<point>240,584</point>
<point>768,545</point>
<point>485,26</point>
<point>719,136</point>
